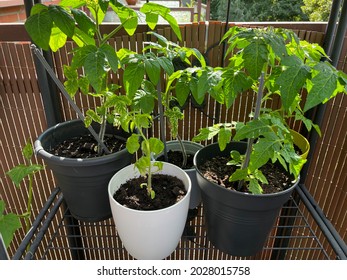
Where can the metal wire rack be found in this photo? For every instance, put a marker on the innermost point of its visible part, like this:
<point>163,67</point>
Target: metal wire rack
<point>301,232</point>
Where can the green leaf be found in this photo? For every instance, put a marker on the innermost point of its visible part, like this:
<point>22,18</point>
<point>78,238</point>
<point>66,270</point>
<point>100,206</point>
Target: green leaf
<point>133,77</point>
<point>8,224</point>
<point>72,3</point>
<point>156,145</point>
<point>144,101</point>
<point>252,129</point>
<point>80,55</point>
<point>21,171</point>
<point>291,81</point>
<point>142,164</point>
<point>152,10</point>
<point>127,16</point>
<point>182,90</point>
<point>39,27</point>
<point>262,152</point>
<point>27,150</point>
<point>255,57</point>
<point>94,116</point>
<point>152,68</point>
<point>260,176</point>
<point>254,186</point>
<point>62,19</point>
<point>38,8</point>
<point>324,86</point>
<point>133,144</point>
<point>234,84</point>
<point>206,133</point>
<point>111,56</point>
<point>166,64</point>
<point>95,69</point>
<point>57,40</point>
<point>85,23</point>
<point>239,175</point>
<point>224,137</point>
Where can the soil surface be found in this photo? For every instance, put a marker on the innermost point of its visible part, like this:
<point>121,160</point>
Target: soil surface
<point>217,171</point>
<point>176,158</point>
<point>168,191</point>
<point>86,146</point>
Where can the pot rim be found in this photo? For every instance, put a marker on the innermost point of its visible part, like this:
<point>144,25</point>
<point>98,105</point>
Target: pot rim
<point>40,150</point>
<point>148,212</point>
<point>243,194</point>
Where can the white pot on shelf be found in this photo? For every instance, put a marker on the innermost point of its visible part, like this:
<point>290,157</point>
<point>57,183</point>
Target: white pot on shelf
<point>149,234</point>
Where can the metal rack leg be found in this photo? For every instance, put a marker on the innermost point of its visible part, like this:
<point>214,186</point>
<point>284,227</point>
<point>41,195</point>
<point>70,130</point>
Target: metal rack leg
<point>74,236</point>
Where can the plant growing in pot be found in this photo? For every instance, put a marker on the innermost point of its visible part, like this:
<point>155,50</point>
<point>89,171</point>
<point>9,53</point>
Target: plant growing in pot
<point>84,180</point>
<point>258,162</point>
<point>149,194</point>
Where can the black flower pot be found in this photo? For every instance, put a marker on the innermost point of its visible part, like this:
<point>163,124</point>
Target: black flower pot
<point>237,223</point>
<point>83,182</point>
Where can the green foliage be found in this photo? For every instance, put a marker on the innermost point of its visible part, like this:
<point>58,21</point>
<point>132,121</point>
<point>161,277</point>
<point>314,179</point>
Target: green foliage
<point>259,10</point>
<point>10,222</point>
<point>285,66</point>
<point>317,10</point>
<point>51,26</point>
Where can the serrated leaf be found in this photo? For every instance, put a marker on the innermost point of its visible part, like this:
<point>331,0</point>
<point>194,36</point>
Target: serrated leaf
<point>39,27</point>
<point>206,133</point>
<point>252,129</point>
<point>62,19</point>
<point>144,101</point>
<point>111,56</point>
<point>94,116</point>
<point>132,78</point>
<point>324,85</point>
<point>234,84</point>
<point>263,151</point>
<point>255,56</point>
<point>291,81</point>
<point>21,171</point>
<point>260,176</point>
<point>133,144</point>
<point>81,54</point>
<point>85,23</point>
<point>27,150</point>
<point>95,69</point>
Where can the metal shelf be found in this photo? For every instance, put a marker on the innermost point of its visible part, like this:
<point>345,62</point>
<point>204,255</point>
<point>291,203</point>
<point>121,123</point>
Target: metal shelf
<point>301,232</point>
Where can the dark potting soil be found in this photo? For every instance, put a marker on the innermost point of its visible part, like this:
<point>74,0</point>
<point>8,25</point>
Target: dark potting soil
<point>217,171</point>
<point>176,158</point>
<point>86,146</point>
<point>168,191</point>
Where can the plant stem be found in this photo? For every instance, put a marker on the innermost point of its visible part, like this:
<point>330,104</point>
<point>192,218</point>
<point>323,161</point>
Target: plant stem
<point>250,142</point>
<point>161,122</point>
<point>184,152</point>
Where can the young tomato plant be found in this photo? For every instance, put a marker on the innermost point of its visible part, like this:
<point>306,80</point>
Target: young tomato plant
<point>93,58</point>
<point>271,63</point>
<point>10,222</point>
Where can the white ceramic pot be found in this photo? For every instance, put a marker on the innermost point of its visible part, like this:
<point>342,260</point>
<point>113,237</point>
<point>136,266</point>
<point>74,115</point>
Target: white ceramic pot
<point>152,235</point>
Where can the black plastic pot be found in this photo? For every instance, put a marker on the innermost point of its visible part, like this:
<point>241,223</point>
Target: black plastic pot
<point>83,182</point>
<point>237,223</point>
